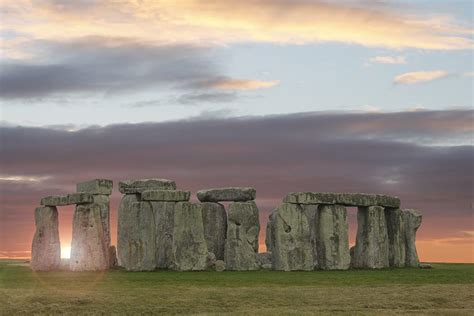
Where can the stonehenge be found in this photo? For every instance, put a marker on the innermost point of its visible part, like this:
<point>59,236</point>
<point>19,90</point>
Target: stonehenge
<point>159,227</point>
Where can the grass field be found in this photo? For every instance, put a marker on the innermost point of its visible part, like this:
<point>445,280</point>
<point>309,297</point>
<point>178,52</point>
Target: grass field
<point>448,289</point>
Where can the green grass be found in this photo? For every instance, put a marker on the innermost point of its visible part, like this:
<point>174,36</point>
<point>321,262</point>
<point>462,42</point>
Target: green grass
<point>448,289</point>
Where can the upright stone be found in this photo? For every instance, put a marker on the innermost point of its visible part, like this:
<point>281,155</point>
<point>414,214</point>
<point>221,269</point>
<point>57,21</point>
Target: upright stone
<point>46,248</point>
<point>291,244</point>
<point>89,251</point>
<point>412,221</point>
<point>125,228</point>
<point>141,238</point>
<point>103,202</point>
<point>371,249</point>
<point>268,233</point>
<point>311,212</point>
<point>396,237</point>
<point>189,245</point>
<point>164,225</point>
<point>332,238</point>
<point>214,219</point>
<point>242,236</point>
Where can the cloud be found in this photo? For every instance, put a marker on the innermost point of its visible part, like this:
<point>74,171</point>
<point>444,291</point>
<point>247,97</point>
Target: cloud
<point>420,76</point>
<point>393,60</point>
<point>117,65</point>
<point>348,152</point>
<point>239,84</point>
<point>225,21</point>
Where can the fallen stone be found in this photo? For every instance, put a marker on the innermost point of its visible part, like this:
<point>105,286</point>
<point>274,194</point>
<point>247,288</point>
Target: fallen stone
<point>140,244</point>
<point>264,259</point>
<point>89,251</point>
<point>412,221</point>
<point>346,199</point>
<point>396,237</point>
<point>80,198</point>
<point>214,219</point>
<point>219,266</point>
<point>113,257</point>
<point>96,186</point>
<point>125,228</point>
<point>189,245</point>
<point>332,238</point>
<point>291,245</point>
<point>425,266</point>
<point>54,200</point>
<point>165,195</point>
<point>164,225</point>
<point>371,249</point>
<point>235,194</point>
<point>46,248</point>
<point>138,186</point>
<point>242,236</point>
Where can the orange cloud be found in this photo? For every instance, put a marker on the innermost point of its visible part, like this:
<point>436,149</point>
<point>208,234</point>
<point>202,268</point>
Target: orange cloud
<point>223,22</point>
<point>420,76</point>
<point>239,84</point>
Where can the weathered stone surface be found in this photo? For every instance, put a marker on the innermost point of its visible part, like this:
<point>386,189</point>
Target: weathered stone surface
<point>138,186</point>
<point>80,198</point>
<point>291,245</point>
<point>311,212</point>
<point>396,237</point>
<point>332,238</point>
<point>65,265</point>
<point>96,186</point>
<point>103,202</point>
<point>165,195</point>
<point>235,194</point>
<point>164,225</point>
<point>268,233</point>
<point>219,266</point>
<point>54,200</point>
<point>189,245</point>
<point>264,259</point>
<point>140,244</point>
<point>242,236</point>
<point>371,249</point>
<point>89,251</point>
<point>214,219</point>
<point>125,228</point>
<point>113,257</point>
<point>46,248</point>
<point>412,221</point>
<point>346,199</point>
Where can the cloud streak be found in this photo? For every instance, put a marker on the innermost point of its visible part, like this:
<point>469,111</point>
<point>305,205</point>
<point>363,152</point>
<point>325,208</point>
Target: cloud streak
<point>420,76</point>
<point>392,60</point>
<point>223,22</point>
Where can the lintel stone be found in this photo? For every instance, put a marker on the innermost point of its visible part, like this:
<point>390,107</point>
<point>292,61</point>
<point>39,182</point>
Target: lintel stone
<point>55,200</point>
<point>166,195</point>
<point>346,199</point>
<point>138,186</point>
<point>235,194</point>
<point>95,186</point>
<point>80,198</point>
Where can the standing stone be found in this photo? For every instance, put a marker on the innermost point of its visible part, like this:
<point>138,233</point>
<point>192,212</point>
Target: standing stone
<point>189,245</point>
<point>141,239</point>
<point>242,236</point>
<point>46,248</point>
<point>371,249</point>
<point>125,228</point>
<point>113,257</point>
<point>103,202</point>
<point>214,219</point>
<point>268,233</point>
<point>89,251</point>
<point>291,248</point>
<point>164,225</point>
<point>396,237</point>
<point>311,212</point>
<point>332,238</point>
<point>412,220</point>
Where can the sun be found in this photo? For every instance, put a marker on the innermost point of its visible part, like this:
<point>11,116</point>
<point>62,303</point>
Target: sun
<point>66,252</point>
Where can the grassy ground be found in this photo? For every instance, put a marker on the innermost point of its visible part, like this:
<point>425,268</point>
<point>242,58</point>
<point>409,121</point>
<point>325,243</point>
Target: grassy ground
<point>448,289</point>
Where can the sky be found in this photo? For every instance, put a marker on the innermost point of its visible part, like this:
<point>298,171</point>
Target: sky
<point>301,95</point>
